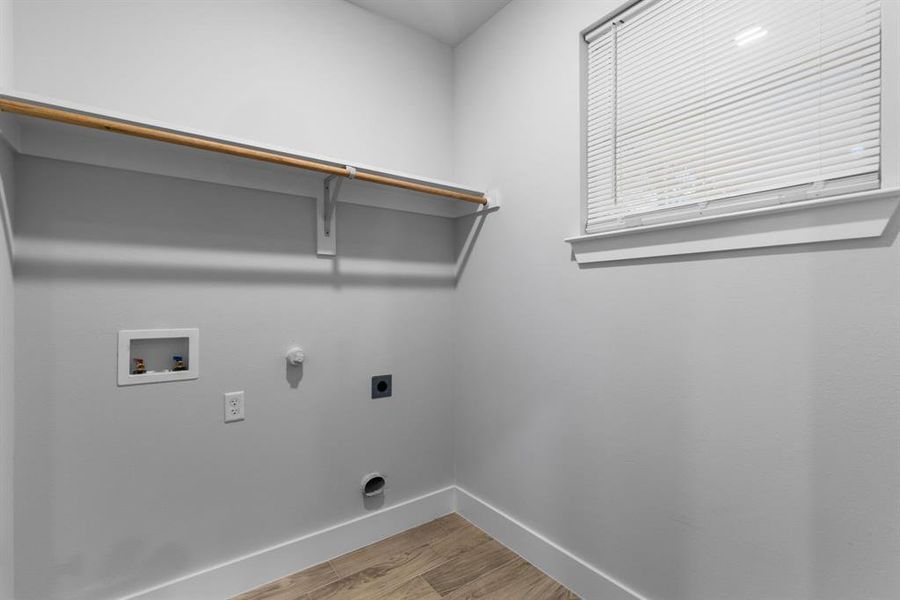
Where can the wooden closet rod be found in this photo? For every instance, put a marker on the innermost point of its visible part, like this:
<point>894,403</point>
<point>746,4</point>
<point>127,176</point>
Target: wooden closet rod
<point>181,139</point>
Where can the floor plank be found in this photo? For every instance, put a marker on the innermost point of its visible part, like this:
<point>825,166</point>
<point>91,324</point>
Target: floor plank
<point>493,582</point>
<point>515,580</point>
<point>376,581</point>
<point>363,558</point>
<point>465,537</point>
<point>534,585</point>
<point>468,566</point>
<point>445,559</point>
<point>416,589</point>
<point>452,522</point>
<point>293,587</point>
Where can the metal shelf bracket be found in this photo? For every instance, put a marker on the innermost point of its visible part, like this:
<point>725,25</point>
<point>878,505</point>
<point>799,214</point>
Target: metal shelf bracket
<point>326,210</point>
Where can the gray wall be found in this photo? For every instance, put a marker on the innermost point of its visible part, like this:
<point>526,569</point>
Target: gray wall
<point>717,427</point>
<point>318,76</point>
<point>6,327</point>
<point>6,42</point>
<point>7,402</point>
<point>123,488</point>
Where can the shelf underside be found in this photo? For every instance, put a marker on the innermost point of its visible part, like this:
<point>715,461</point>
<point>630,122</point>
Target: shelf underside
<point>37,137</point>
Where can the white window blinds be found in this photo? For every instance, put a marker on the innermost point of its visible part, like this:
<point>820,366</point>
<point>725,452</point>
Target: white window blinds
<point>698,107</point>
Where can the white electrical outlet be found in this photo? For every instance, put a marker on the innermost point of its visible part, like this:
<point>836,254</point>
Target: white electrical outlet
<point>234,407</point>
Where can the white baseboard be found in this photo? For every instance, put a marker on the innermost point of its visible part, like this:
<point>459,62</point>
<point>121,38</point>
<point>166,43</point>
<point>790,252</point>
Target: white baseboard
<point>576,574</point>
<point>250,571</point>
<point>258,568</point>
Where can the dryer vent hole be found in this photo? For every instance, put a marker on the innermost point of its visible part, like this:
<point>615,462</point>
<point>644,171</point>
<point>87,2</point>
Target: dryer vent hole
<point>373,485</point>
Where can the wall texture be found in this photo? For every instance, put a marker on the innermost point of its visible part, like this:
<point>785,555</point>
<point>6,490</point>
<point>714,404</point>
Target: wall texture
<point>322,76</point>
<point>7,402</point>
<point>717,427</point>
<point>123,488</point>
<point>6,42</point>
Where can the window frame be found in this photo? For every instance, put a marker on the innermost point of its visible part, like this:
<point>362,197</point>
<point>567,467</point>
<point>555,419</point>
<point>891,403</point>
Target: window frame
<point>757,227</point>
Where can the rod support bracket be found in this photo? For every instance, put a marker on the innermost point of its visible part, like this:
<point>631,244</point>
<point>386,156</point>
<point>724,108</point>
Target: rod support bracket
<point>326,205</point>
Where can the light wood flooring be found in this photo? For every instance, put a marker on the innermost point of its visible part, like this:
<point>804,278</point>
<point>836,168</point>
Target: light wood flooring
<point>446,559</point>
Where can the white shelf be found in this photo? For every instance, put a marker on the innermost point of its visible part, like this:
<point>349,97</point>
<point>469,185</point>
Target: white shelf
<point>37,137</point>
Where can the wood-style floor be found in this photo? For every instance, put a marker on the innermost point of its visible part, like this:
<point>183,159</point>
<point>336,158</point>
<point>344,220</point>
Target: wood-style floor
<point>446,559</point>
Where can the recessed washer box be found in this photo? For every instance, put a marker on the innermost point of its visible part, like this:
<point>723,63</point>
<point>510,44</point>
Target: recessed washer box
<point>157,347</point>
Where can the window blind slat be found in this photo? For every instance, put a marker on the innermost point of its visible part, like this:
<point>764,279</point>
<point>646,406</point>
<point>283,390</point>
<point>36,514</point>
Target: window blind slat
<point>832,131</point>
<point>676,34</point>
<point>690,195</point>
<point>731,121</point>
<point>673,211</point>
<point>675,96</point>
<point>724,49</point>
<point>666,211</point>
<point>730,175</point>
<point>808,73</point>
<point>693,104</point>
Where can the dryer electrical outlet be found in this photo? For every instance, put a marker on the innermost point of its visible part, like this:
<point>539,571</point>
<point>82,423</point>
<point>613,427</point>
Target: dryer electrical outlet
<point>382,386</point>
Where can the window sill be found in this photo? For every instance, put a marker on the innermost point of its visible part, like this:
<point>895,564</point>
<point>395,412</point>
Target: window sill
<point>852,216</point>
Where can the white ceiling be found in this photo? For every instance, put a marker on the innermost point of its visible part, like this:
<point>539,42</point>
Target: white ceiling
<point>450,21</point>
